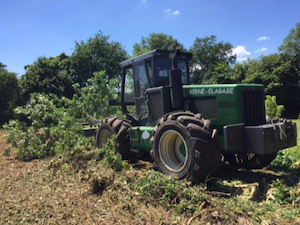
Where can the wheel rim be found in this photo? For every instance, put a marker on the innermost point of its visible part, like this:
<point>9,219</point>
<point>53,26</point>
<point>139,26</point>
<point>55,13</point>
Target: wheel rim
<point>104,135</point>
<point>173,151</point>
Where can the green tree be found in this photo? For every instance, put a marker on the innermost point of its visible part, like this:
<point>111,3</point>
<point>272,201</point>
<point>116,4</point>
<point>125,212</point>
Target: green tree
<point>2,66</point>
<point>97,54</point>
<point>279,74</point>
<point>222,74</point>
<point>48,75</point>
<point>208,53</point>
<point>9,92</point>
<point>291,50</point>
<point>92,98</point>
<point>241,70</point>
<point>291,43</point>
<point>156,41</point>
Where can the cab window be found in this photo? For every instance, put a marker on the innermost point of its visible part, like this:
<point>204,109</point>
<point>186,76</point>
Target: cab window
<point>141,84</point>
<point>163,65</point>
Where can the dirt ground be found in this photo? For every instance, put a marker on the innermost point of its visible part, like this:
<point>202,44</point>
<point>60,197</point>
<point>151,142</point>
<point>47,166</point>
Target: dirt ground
<point>33,193</point>
<point>37,192</point>
<point>9,165</point>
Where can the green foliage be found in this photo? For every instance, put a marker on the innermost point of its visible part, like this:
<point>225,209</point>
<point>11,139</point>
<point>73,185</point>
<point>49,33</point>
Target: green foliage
<point>156,41</point>
<point>52,120</point>
<point>48,75</point>
<point>288,158</point>
<point>169,192</point>
<point>280,76</point>
<point>109,156</point>
<point>9,93</point>
<point>208,54</point>
<point>57,75</point>
<point>52,130</point>
<point>272,109</point>
<point>222,74</point>
<point>97,54</point>
<point>6,152</point>
<point>284,194</point>
<point>291,43</point>
<point>91,99</point>
<point>240,71</point>
<point>2,66</point>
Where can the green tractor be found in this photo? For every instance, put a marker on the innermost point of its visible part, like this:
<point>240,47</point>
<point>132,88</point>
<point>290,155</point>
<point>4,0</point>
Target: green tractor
<point>186,128</point>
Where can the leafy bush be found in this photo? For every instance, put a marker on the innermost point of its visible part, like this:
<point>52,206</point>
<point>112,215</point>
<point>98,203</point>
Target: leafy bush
<point>109,157</point>
<point>52,120</point>
<point>284,194</point>
<point>287,158</point>
<point>272,109</point>
<point>6,152</point>
<point>52,131</point>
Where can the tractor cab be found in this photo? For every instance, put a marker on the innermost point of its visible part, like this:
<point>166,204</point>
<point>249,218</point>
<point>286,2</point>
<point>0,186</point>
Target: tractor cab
<point>147,71</point>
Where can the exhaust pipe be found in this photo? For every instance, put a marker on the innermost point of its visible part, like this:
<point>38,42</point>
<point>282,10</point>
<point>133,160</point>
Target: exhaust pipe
<point>175,82</point>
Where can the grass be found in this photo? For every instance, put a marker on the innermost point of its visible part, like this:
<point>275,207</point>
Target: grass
<point>289,158</point>
<point>89,191</point>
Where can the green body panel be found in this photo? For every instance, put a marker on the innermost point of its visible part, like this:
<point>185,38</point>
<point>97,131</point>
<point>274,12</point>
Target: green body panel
<point>228,101</point>
<point>222,105</point>
<point>140,138</point>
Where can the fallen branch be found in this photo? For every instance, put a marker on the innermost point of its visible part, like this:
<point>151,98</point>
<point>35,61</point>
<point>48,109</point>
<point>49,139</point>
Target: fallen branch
<point>195,216</point>
<point>246,185</point>
<point>219,193</point>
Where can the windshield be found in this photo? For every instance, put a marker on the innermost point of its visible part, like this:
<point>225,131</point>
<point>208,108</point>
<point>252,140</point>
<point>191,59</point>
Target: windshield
<point>163,65</point>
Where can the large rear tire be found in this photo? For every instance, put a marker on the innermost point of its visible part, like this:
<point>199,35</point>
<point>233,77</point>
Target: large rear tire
<point>184,146</point>
<point>119,127</point>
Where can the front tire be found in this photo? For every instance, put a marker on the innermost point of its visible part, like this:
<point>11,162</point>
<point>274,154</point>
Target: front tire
<point>184,146</point>
<point>115,126</point>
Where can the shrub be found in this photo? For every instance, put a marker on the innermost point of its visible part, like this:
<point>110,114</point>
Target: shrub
<point>109,157</point>
<point>272,109</point>
<point>288,158</point>
<point>51,126</point>
<point>53,130</point>
<point>6,152</point>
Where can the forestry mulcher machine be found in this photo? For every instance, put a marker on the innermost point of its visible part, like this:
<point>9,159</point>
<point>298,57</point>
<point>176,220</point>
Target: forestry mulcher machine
<point>186,128</point>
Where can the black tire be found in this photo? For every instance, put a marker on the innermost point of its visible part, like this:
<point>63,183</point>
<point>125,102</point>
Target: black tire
<point>184,146</point>
<point>249,160</point>
<point>117,126</point>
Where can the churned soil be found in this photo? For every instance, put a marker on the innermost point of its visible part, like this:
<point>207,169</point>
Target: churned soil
<point>9,165</point>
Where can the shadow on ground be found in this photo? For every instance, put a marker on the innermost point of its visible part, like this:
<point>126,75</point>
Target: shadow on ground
<point>232,182</point>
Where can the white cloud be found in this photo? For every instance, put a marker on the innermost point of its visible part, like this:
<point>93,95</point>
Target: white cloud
<point>263,38</point>
<point>241,53</point>
<point>168,13</point>
<point>261,50</point>
<point>176,13</point>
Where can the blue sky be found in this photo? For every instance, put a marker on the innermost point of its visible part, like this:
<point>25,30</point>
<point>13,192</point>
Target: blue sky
<point>33,28</point>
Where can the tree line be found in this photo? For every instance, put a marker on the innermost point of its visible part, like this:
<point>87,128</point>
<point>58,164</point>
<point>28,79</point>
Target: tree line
<point>213,63</point>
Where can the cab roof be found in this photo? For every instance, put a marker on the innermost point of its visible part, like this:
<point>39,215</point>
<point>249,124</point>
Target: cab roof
<point>152,54</point>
